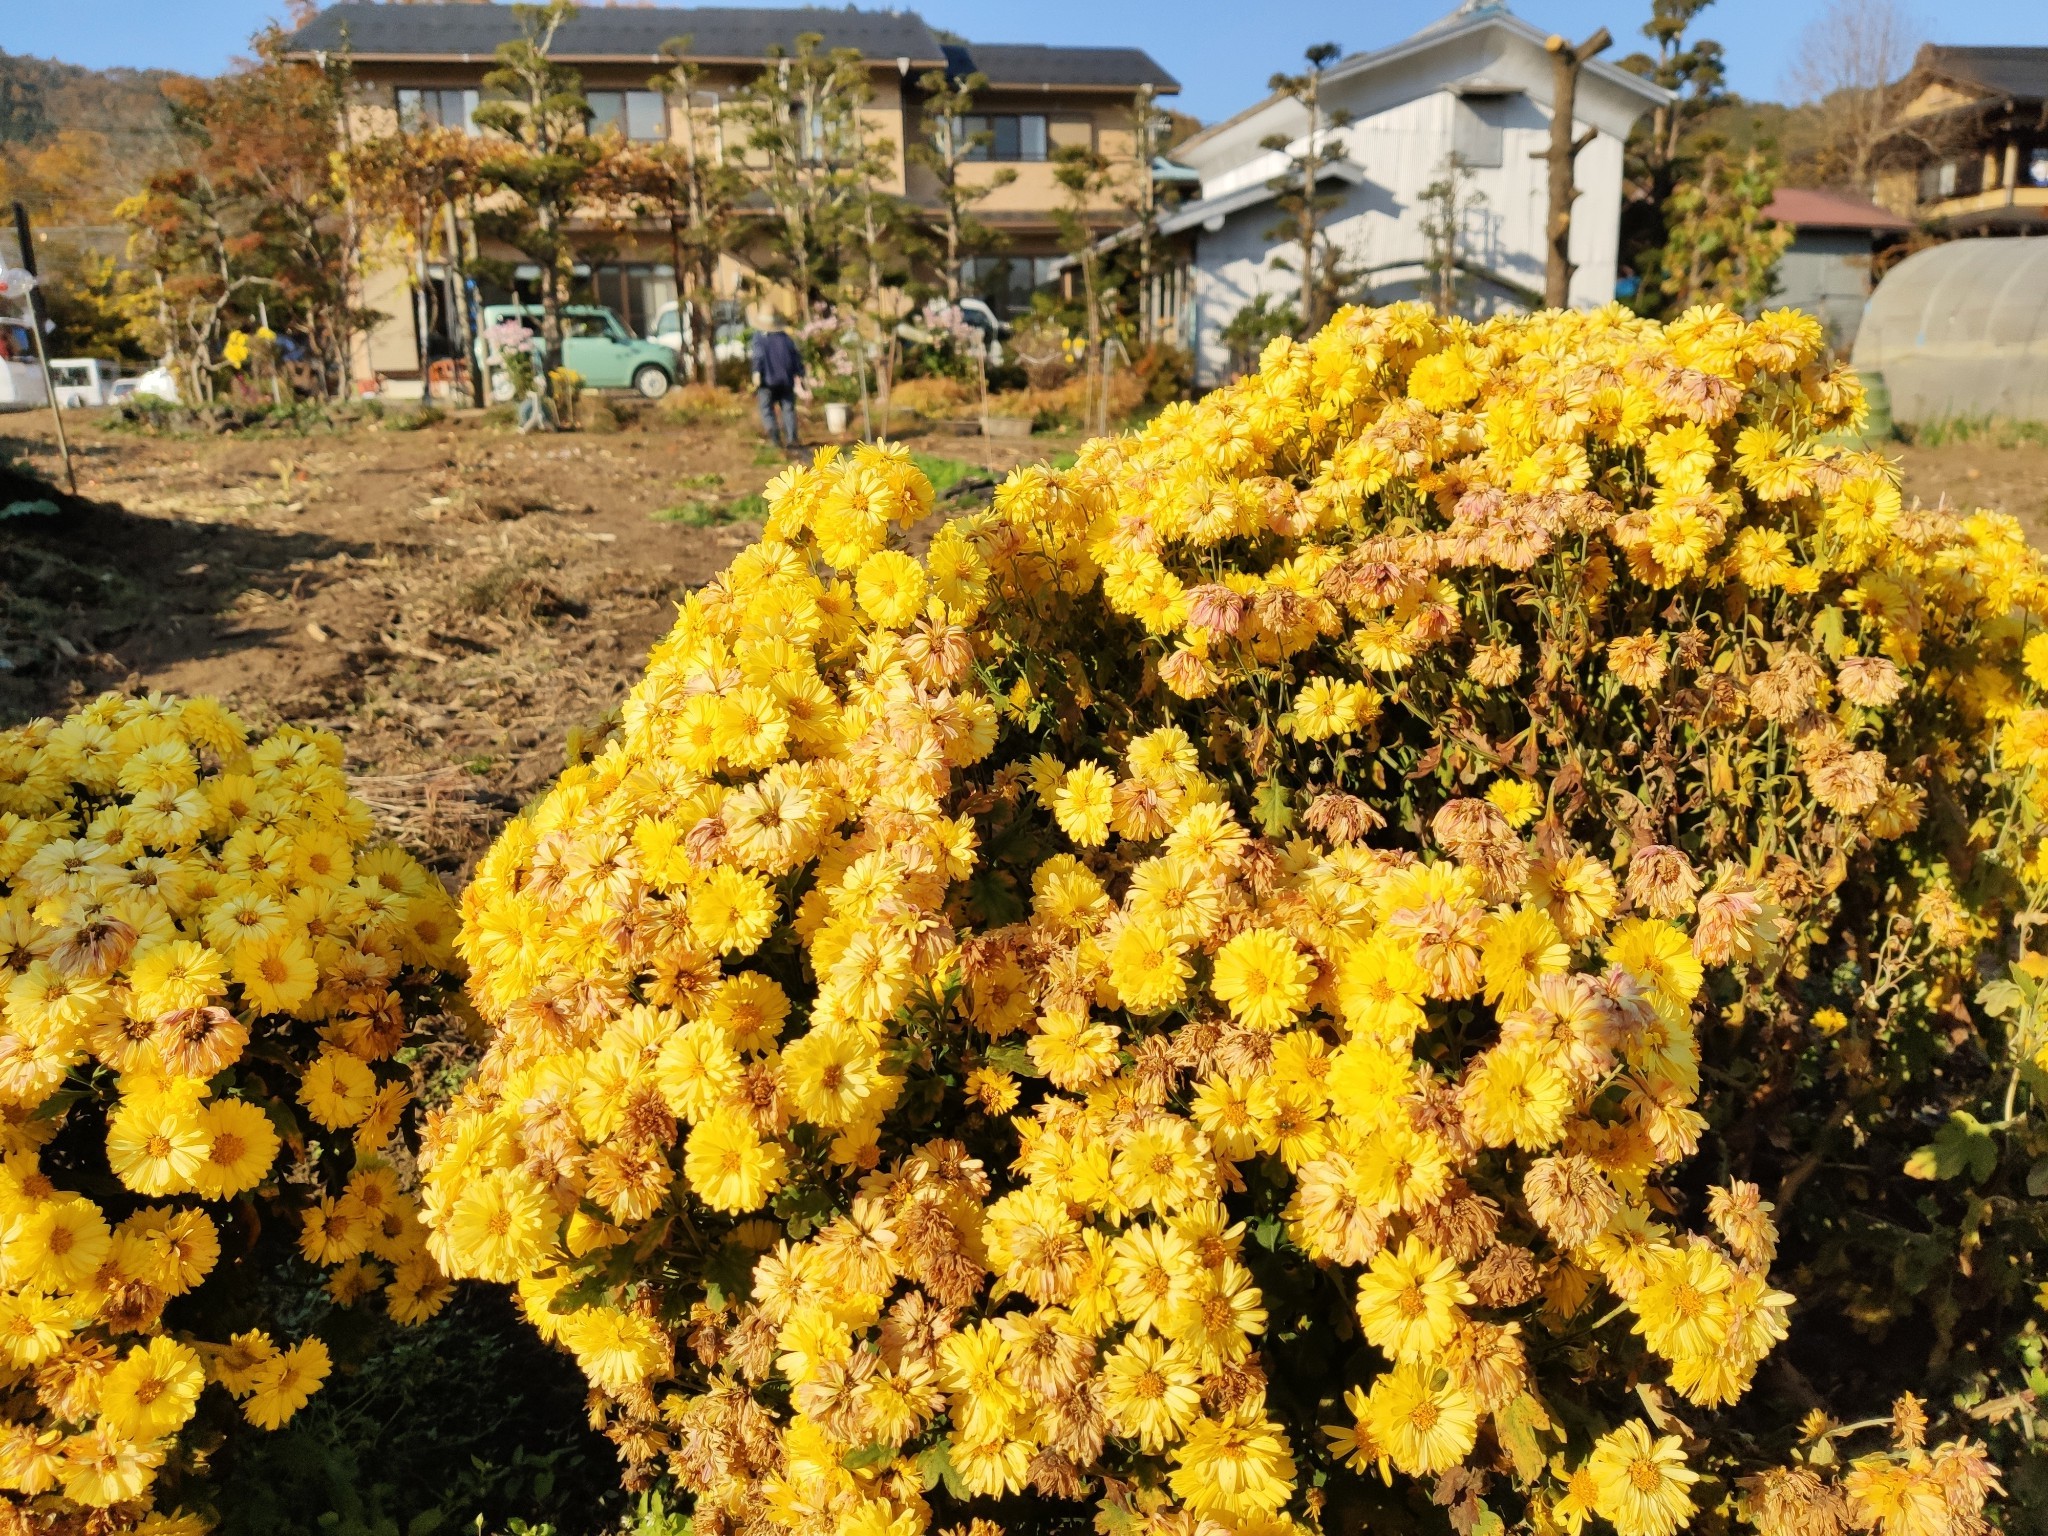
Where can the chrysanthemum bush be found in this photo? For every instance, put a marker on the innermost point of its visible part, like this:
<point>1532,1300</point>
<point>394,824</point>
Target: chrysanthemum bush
<point>207,965</point>
<point>1290,975</point>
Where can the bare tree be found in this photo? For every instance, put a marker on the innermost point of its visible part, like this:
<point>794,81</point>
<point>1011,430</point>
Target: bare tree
<point>944,147</point>
<point>1563,155</point>
<point>1140,198</point>
<point>1447,202</point>
<point>1303,206</point>
<point>1850,58</point>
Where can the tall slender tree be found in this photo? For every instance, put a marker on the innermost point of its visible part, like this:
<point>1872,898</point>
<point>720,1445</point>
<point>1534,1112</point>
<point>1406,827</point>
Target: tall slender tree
<point>1562,157</point>
<point>1447,202</point>
<point>1298,193</point>
<point>691,187</point>
<point>798,116</point>
<point>1084,174</point>
<point>944,146</point>
<point>1140,199</point>
<point>539,160</point>
<point>1658,157</point>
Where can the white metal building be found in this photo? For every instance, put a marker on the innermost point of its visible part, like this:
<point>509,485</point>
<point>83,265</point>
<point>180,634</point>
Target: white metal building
<point>1477,83</point>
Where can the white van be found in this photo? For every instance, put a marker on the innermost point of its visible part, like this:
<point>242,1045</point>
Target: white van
<point>21,376</point>
<point>83,382</point>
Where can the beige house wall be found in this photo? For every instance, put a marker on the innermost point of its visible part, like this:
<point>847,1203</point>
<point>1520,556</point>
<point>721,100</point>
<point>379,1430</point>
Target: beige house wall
<point>1024,210</point>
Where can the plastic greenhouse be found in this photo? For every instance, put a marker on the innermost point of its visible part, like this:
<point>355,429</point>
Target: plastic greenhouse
<point>1962,330</point>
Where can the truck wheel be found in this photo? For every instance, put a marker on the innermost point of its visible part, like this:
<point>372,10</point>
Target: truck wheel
<point>651,381</point>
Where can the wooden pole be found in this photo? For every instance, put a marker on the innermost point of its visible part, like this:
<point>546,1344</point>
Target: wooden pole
<point>1563,154</point>
<point>35,325</point>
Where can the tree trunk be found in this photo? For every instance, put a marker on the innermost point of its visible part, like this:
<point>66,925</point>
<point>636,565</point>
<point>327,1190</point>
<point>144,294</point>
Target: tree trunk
<point>1563,154</point>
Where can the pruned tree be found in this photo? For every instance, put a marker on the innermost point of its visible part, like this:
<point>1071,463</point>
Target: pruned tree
<point>691,187</point>
<point>1721,249</point>
<point>1150,129</point>
<point>1083,175</point>
<point>1562,158</point>
<point>798,116</point>
<point>876,240</point>
<point>1298,193</point>
<point>539,159</point>
<point>1657,156</point>
<point>1692,69</point>
<point>1846,73</point>
<point>944,146</point>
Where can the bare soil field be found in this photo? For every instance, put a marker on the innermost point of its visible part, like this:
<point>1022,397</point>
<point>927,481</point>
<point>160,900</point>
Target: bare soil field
<point>452,601</point>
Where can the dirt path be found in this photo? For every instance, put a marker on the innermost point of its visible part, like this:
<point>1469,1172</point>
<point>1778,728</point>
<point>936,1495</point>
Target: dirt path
<point>452,601</point>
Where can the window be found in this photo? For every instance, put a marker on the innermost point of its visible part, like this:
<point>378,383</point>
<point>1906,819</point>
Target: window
<point>636,114</point>
<point>1478,128</point>
<point>436,108</point>
<point>1010,136</point>
<point>1005,283</point>
<point>634,291</point>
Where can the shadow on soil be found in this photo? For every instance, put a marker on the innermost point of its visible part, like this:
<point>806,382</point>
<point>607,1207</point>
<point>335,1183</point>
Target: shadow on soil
<point>91,593</point>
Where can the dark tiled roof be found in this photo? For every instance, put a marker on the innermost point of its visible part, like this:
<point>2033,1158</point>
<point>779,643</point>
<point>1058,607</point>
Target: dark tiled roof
<point>2001,71</point>
<point>1037,64</point>
<point>625,32</point>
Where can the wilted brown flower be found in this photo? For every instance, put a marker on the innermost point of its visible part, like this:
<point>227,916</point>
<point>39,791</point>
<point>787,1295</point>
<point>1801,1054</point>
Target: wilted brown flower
<point>1661,880</point>
<point>1569,1198</point>
<point>1869,681</point>
<point>1638,660</point>
<point>1495,664</point>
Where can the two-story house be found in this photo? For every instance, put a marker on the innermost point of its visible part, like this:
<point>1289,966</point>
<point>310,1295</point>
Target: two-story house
<point>426,63</point>
<point>1968,152</point>
<point>1476,84</point>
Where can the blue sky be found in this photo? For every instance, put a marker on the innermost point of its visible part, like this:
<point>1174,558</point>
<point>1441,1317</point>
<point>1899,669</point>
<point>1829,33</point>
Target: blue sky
<point>1221,50</point>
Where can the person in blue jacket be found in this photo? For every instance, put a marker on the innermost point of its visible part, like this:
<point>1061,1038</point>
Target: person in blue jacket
<point>777,366</point>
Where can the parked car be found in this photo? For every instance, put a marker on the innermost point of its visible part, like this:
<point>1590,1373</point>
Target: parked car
<point>83,382</point>
<point>672,329</point>
<point>595,345</point>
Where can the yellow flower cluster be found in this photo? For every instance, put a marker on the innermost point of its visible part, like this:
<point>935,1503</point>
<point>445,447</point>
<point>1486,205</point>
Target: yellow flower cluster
<point>1214,951</point>
<point>200,953</point>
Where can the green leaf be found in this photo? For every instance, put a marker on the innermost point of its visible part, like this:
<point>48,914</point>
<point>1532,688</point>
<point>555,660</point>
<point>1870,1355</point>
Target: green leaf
<point>1517,1426</point>
<point>1964,1144</point>
<point>2000,998</point>
<point>2037,1179</point>
<point>1273,807</point>
<point>873,1454</point>
<point>935,1466</point>
<point>1014,1059</point>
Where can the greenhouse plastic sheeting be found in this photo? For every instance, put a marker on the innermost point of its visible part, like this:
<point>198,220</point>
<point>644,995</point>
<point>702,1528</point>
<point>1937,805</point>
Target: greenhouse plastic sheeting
<point>1962,330</point>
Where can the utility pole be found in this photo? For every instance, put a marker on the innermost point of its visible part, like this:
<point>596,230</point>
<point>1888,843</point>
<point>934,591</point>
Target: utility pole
<point>1566,62</point>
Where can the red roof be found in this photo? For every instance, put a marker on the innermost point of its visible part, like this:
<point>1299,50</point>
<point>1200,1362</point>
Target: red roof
<point>1811,208</point>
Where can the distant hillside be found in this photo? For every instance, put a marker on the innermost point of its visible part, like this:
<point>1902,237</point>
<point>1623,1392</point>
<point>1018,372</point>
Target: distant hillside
<point>39,98</point>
